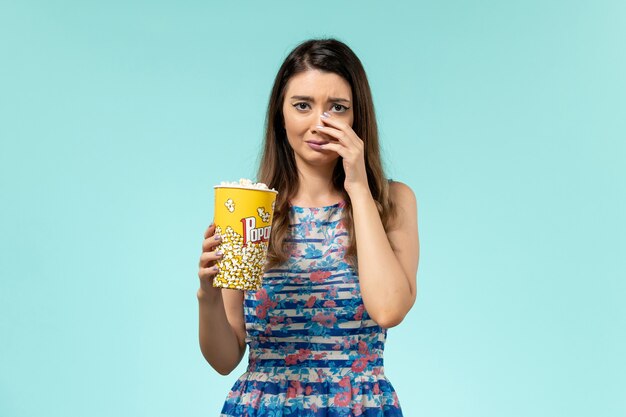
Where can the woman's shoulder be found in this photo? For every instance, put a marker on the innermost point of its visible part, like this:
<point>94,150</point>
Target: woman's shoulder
<point>400,193</point>
<point>405,213</point>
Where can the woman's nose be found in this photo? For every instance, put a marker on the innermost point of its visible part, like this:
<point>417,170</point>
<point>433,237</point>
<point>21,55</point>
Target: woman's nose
<point>316,120</point>
<point>318,115</point>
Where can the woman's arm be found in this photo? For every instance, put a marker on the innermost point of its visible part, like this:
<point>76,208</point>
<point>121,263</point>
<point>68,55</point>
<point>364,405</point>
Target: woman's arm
<point>388,278</point>
<point>222,326</point>
<point>222,329</point>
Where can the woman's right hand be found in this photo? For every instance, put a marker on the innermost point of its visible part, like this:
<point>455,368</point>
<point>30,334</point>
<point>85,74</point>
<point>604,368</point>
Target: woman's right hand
<point>210,254</point>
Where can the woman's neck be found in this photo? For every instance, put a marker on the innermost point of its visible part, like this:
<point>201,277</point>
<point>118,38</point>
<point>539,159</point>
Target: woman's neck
<point>316,187</point>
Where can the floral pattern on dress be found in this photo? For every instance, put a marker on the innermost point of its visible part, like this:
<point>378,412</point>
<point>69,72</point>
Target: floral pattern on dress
<point>313,349</point>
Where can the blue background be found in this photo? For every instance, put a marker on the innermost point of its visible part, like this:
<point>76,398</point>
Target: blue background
<point>506,118</point>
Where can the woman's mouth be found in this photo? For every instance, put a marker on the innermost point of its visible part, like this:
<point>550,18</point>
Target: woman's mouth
<point>315,145</point>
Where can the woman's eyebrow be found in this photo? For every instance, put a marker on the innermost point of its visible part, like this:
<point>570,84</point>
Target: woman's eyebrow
<point>309,98</point>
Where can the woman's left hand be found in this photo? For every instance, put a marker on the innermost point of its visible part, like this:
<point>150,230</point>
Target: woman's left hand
<point>351,149</point>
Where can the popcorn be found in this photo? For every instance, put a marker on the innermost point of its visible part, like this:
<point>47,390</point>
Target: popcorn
<point>264,215</point>
<point>243,217</point>
<point>230,205</point>
<point>246,183</point>
<point>239,266</point>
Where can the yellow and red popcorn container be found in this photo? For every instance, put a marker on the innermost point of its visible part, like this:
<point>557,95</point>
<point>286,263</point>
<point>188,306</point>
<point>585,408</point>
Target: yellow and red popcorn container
<point>243,217</point>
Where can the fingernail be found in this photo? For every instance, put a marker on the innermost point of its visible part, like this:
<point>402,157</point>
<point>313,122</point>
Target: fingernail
<point>219,253</point>
<point>319,126</point>
<point>215,268</point>
<point>217,237</point>
<point>325,115</point>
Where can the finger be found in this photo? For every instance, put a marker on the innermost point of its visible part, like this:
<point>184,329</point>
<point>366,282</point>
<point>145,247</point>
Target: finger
<point>336,147</point>
<point>211,242</point>
<point>210,230</point>
<point>204,273</point>
<point>347,134</point>
<point>333,121</point>
<point>209,258</point>
<point>333,133</point>
<point>340,136</point>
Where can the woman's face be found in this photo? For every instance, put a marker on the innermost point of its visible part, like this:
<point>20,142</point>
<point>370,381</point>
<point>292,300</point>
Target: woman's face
<point>308,95</point>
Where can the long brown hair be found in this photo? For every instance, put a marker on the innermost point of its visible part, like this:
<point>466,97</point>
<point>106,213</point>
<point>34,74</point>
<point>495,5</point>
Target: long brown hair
<point>277,167</point>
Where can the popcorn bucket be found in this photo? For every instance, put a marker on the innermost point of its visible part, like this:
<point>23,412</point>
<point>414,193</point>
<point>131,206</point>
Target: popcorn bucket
<point>243,217</point>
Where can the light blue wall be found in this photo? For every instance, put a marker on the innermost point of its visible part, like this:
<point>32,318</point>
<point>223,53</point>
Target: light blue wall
<point>508,120</point>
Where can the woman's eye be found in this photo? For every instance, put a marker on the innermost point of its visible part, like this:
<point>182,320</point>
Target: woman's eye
<point>340,108</point>
<point>337,108</point>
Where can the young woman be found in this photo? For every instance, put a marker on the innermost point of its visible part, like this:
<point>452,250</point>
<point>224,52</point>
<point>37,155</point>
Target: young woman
<point>342,259</point>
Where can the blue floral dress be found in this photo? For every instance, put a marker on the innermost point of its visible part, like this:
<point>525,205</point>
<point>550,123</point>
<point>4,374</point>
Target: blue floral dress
<point>314,351</point>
